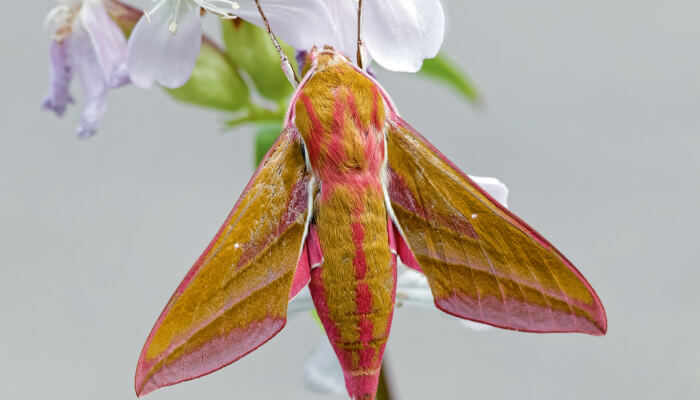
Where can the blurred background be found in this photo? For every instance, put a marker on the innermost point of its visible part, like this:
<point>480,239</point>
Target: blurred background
<point>591,117</point>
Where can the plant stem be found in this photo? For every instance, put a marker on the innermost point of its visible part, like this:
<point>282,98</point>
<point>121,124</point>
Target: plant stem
<point>384,390</point>
<point>256,114</point>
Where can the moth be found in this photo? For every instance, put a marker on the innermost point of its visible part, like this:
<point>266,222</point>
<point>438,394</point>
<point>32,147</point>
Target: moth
<point>346,190</point>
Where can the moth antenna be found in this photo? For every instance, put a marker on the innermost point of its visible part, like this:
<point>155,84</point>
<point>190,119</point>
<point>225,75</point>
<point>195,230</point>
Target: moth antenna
<point>361,51</point>
<point>286,65</point>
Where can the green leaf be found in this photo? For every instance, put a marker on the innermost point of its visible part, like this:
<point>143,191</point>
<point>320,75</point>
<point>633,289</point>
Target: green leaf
<point>266,136</point>
<point>250,48</point>
<point>215,82</point>
<point>256,115</point>
<point>444,70</point>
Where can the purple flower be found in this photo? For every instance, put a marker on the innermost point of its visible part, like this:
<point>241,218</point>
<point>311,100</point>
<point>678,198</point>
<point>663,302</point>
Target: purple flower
<point>61,73</point>
<point>87,43</point>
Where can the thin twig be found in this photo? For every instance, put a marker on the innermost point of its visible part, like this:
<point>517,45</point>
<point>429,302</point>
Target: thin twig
<point>286,65</point>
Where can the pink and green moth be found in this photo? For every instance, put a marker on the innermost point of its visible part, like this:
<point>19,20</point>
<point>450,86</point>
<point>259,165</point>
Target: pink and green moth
<point>346,189</point>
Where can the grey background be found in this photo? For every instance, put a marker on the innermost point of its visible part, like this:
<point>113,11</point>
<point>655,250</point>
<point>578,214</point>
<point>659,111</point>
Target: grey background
<point>591,118</point>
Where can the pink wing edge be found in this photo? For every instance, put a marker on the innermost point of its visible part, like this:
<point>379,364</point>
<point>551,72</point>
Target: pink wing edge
<point>309,256</point>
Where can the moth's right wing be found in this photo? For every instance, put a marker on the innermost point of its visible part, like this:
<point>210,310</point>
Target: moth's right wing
<point>482,262</point>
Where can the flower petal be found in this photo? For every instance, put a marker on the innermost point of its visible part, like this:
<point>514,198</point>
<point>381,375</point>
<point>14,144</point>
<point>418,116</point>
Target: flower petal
<point>107,40</point>
<point>89,72</point>
<point>495,188</point>
<point>322,371</point>
<point>60,75</point>
<point>413,290</point>
<point>155,54</point>
<point>300,57</point>
<point>400,34</point>
<point>344,14</point>
<point>93,112</point>
<point>302,24</point>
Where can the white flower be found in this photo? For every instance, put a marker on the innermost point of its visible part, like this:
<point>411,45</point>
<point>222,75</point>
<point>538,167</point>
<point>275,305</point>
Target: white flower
<point>86,42</point>
<point>322,370</point>
<point>398,34</point>
<point>165,43</point>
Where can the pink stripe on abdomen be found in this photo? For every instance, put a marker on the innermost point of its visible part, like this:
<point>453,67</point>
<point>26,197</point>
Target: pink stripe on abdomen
<point>354,288</point>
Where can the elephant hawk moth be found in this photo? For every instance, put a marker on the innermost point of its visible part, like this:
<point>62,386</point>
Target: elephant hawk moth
<point>347,188</point>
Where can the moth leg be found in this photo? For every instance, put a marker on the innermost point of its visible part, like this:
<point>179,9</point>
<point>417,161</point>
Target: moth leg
<point>286,65</point>
<point>361,50</point>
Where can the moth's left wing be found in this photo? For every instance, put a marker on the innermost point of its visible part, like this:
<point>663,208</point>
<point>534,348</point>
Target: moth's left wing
<point>235,297</point>
<point>482,262</point>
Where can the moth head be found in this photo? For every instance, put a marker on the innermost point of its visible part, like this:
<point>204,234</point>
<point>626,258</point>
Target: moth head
<point>320,59</point>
